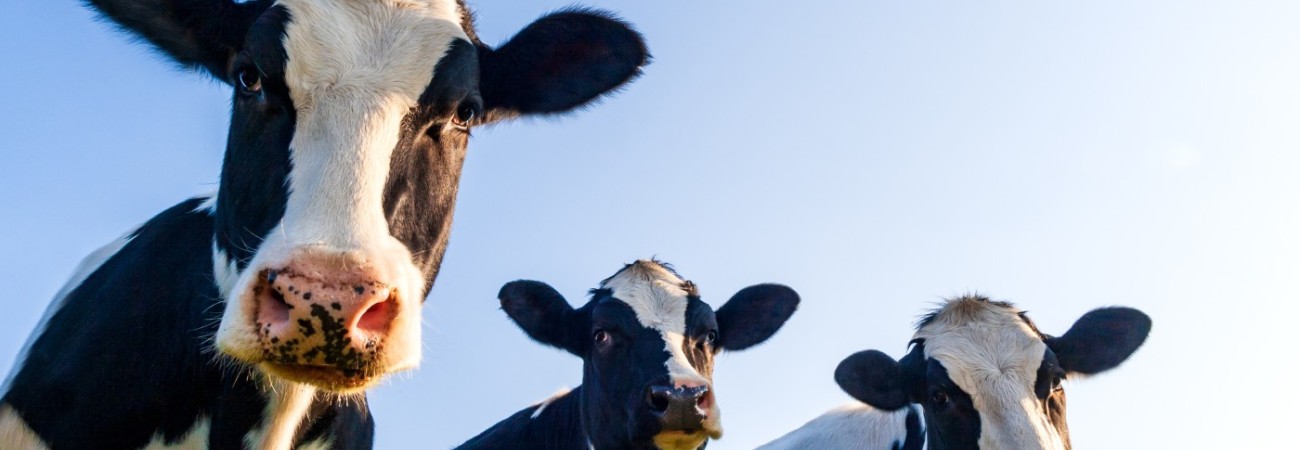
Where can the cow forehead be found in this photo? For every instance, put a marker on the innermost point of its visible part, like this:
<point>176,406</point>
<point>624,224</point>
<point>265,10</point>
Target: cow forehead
<point>979,341</point>
<point>345,48</point>
<point>657,295</point>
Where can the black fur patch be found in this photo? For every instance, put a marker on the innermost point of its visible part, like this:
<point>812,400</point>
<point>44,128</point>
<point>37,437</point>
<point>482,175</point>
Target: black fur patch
<point>126,356</point>
<point>197,34</point>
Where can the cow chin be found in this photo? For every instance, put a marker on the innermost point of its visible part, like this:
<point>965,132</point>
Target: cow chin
<point>681,440</point>
<point>342,381</point>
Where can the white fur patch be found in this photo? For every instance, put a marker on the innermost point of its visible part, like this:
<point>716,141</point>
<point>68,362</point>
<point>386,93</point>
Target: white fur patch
<point>544,403</point>
<point>655,294</point>
<point>993,355</point>
<point>14,432</point>
<point>354,70</point>
<point>225,273</point>
<point>288,406</point>
<point>856,426</point>
<point>209,205</point>
<point>88,265</point>
<point>195,439</point>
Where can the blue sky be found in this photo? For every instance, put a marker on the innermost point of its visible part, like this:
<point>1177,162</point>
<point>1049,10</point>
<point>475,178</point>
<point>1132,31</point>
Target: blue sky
<point>876,156</point>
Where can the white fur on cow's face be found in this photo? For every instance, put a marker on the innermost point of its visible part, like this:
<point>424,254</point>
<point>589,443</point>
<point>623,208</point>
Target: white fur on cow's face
<point>657,297</point>
<point>993,355</point>
<point>354,70</point>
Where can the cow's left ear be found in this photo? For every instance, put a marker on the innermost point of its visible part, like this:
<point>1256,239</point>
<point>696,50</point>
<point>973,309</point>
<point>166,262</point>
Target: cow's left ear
<point>542,313</point>
<point>873,378</point>
<point>1100,340</point>
<point>560,62</point>
<point>754,314</point>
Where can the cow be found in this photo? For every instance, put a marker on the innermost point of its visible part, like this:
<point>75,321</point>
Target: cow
<point>857,426</point>
<point>983,375</point>
<point>648,344</point>
<point>257,317</point>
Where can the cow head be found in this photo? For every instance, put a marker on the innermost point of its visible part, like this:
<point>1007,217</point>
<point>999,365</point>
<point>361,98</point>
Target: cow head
<point>349,126</point>
<point>647,343</point>
<point>987,378</point>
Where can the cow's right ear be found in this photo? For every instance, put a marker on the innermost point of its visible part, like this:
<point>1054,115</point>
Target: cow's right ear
<point>199,34</point>
<point>873,378</point>
<point>542,313</point>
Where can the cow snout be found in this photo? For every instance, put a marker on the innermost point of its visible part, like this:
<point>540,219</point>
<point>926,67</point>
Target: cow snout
<point>680,408</point>
<point>312,315</point>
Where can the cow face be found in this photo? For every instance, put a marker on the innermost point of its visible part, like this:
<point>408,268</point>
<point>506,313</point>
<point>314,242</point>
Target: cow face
<point>349,129</point>
<point>647,342</point>
<point>987,378</point>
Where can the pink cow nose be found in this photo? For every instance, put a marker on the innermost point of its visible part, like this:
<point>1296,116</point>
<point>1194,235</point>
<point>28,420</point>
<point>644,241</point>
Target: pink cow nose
<point>308,314</point>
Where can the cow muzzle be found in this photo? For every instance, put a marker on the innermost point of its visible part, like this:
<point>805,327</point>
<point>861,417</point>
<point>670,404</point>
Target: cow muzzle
<point>686,413</point>
<point>324,320</point>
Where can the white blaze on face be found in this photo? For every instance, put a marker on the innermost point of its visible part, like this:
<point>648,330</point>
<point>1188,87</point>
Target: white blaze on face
<point>656,295</point>
<point>355,68</point>
<point>993,356</point>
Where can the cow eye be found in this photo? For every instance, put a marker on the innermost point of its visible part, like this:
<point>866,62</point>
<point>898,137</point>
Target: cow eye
<point>249,81</point>
<point>939,398</point>
<point>601,337</point>
<point>465,114</point>
<point>711,337</point>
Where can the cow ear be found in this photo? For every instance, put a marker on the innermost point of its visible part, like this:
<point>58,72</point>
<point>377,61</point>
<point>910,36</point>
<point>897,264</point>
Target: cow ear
<point>560,62</point>
<point>198,34</point>
<point>754,314</point>
<point>1101,340</point>
<point>542,313</point>
<point>873,378</point>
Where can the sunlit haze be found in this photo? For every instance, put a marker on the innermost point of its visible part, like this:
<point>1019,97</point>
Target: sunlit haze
<point>876,156</point>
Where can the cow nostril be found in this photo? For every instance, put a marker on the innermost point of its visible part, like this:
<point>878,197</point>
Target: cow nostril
<point>377,316</point>
<point>658,399</point>
<point>274,309</point>
<point>703,401</point>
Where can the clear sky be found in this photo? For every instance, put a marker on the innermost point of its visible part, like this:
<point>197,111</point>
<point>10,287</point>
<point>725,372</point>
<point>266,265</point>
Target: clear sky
<point>876,156</point>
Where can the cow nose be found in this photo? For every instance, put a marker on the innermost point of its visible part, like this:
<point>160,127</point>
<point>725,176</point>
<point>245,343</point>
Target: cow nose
<point>311,315</point>
<point>680,408</point>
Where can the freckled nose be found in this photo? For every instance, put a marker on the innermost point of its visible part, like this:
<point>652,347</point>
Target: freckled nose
<point>311,315</point>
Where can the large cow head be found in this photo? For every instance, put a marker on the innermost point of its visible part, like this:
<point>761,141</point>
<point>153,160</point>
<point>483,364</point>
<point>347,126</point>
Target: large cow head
<point>987,378</point>
<point>647,343</point>
<point>349,126</point>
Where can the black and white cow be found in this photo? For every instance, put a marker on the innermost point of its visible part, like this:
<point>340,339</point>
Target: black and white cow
<point>984,376</point>
<point>257,317</point>
<point>647,343</point>
<point>857,426</point>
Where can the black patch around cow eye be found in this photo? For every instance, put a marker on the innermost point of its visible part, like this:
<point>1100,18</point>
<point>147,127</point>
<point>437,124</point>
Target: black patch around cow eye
<point>249,81</point>
<point>466,113</point>
<point>939,398</point>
